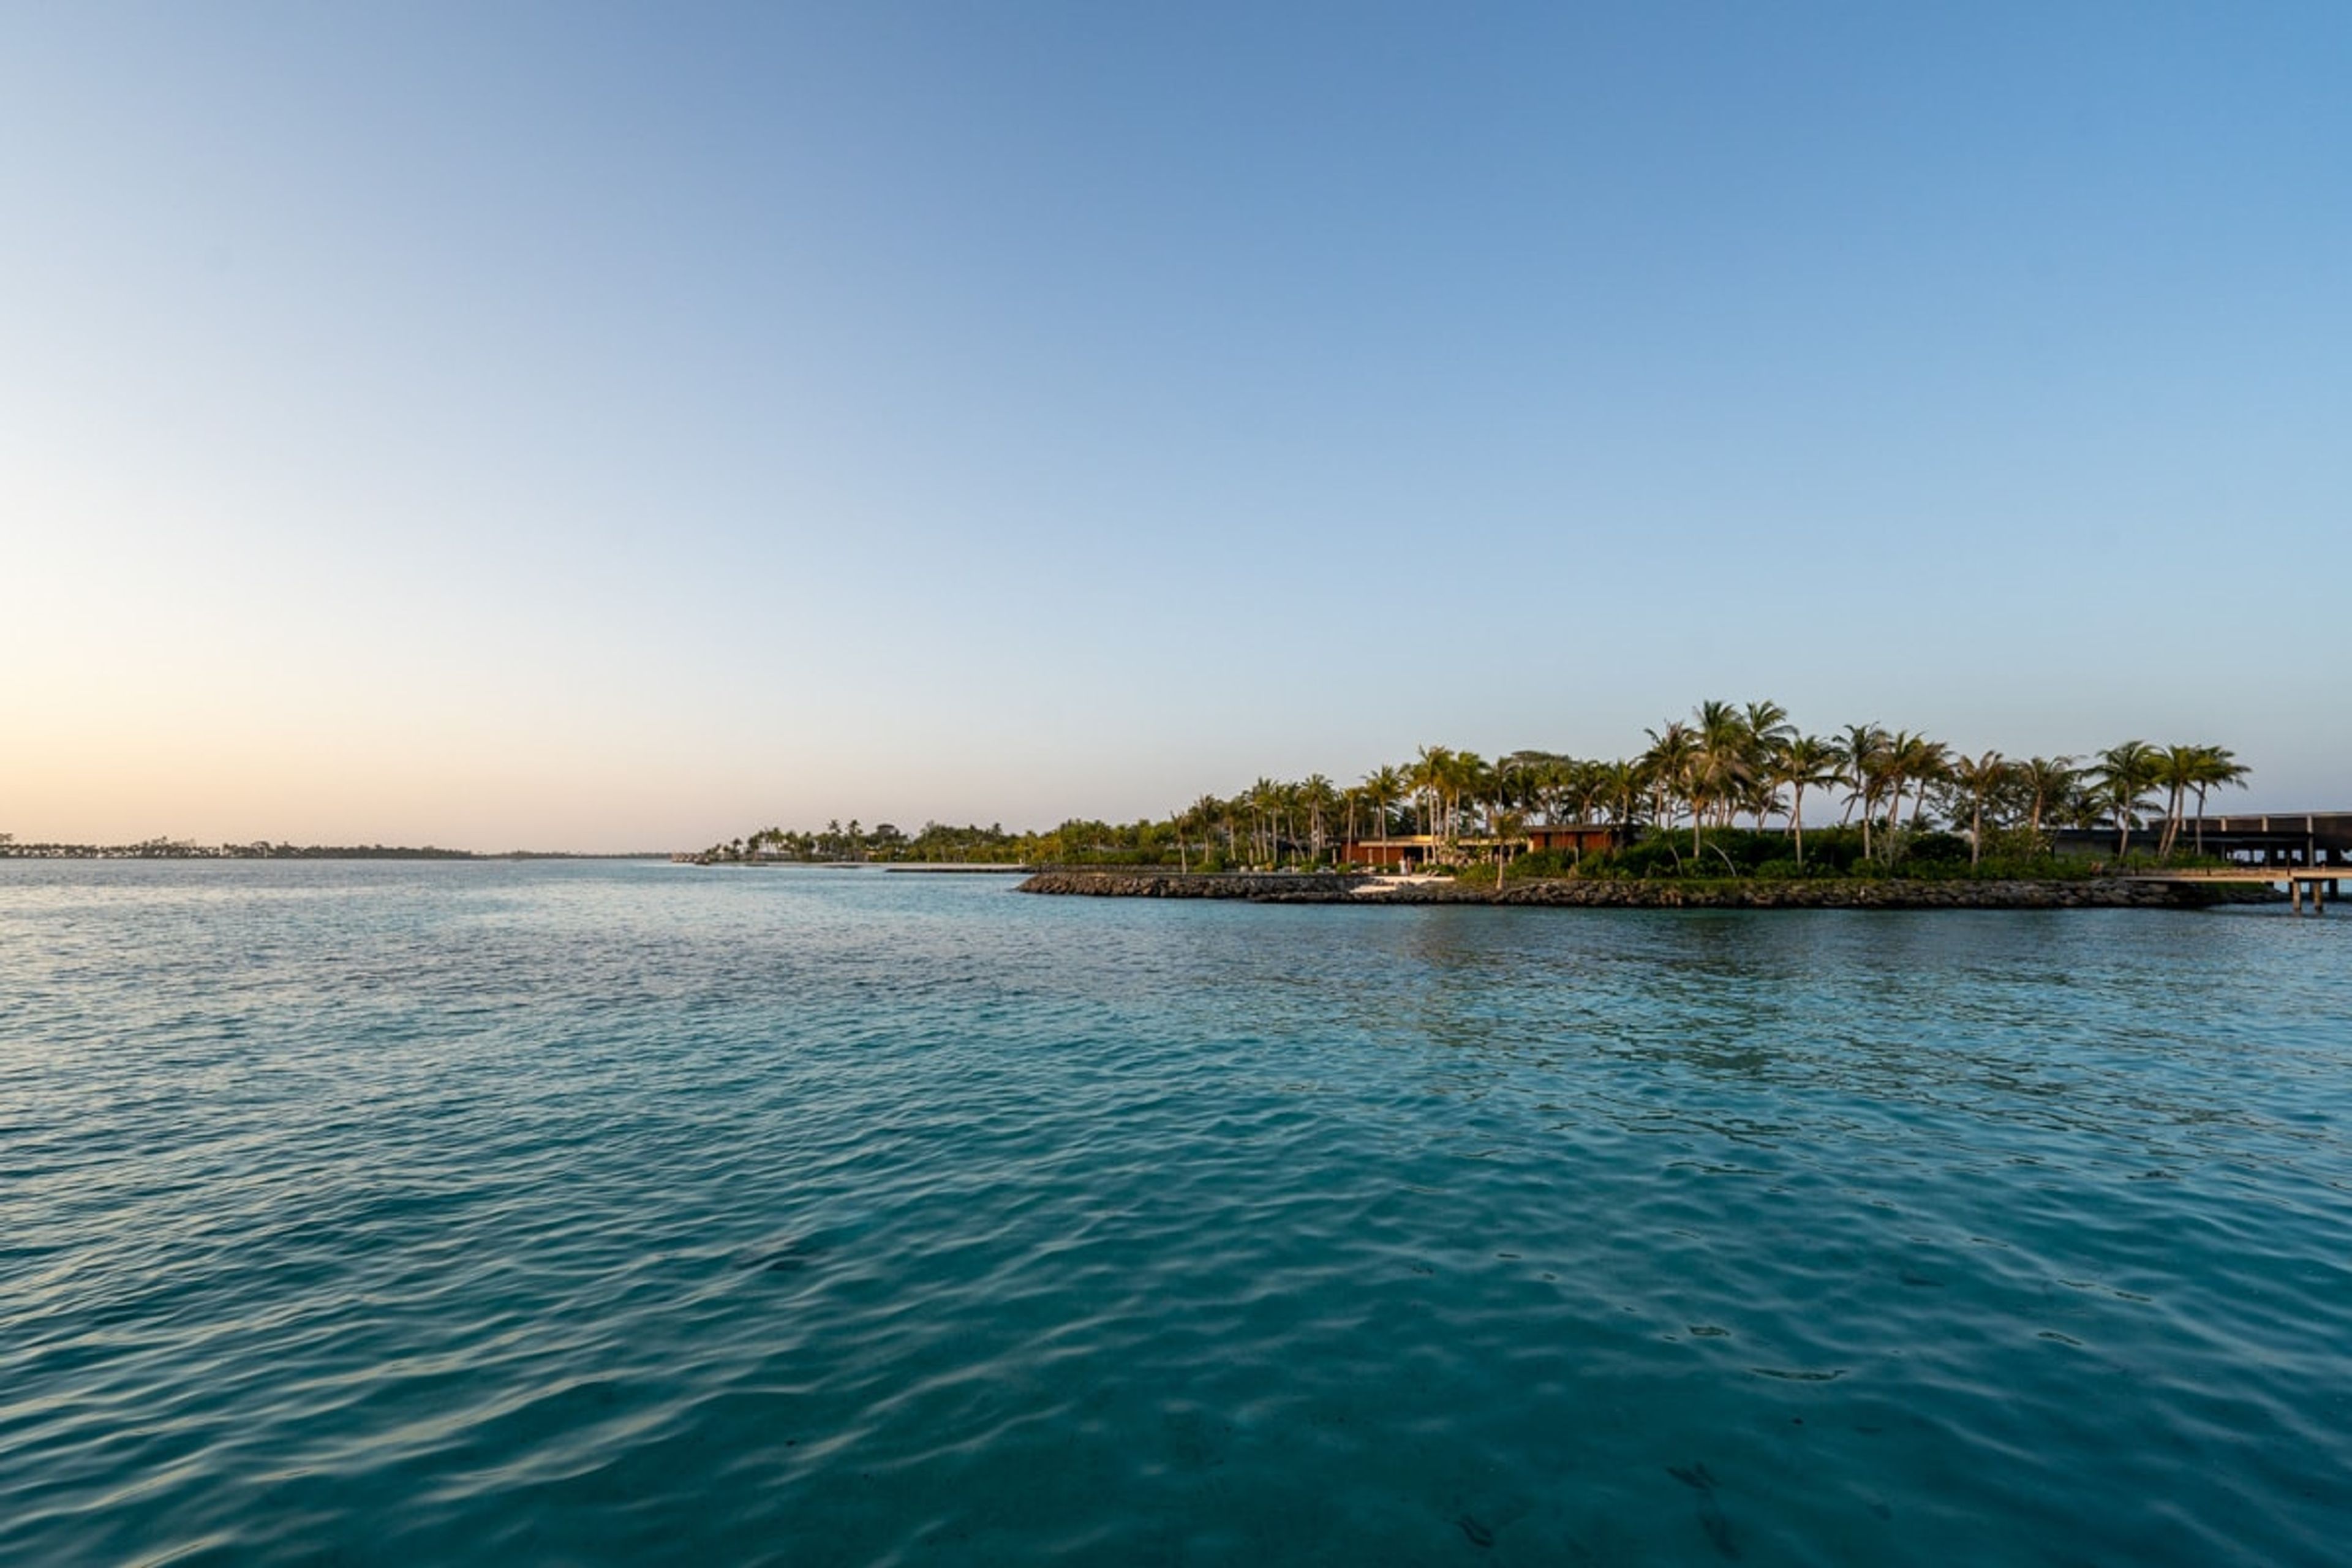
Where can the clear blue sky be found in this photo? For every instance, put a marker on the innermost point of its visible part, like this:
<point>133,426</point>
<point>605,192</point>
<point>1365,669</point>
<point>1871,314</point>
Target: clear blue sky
<point>604,427</point>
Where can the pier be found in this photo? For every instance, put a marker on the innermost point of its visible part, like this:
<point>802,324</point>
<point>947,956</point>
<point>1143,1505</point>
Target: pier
<point>2308,851</point>
<point>2323,882</point>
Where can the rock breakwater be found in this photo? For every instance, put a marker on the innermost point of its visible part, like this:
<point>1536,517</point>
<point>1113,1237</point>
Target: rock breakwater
<point>1858,893</point>
<point>1278,887</point>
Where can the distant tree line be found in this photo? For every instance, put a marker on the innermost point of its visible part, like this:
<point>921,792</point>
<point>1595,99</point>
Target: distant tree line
<point>187,849</point>
<point>837,843</point>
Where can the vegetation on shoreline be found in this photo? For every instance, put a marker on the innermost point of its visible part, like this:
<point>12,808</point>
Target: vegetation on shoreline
<point>1911,807</point>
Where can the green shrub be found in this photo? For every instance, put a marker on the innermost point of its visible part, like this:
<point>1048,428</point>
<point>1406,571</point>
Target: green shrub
<point>1742,847</point>
<point>1831,849</point>
<point>1657,856</point>
<point>2014,844</point>
<point>1937,848</point>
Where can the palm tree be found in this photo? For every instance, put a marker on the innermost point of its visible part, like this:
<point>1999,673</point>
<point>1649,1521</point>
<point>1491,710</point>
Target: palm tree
<point>2217,768</point>
<point>1890,775</point>
<point>1428,776</point>
<point>1535,779</point>
<point>1319,795</point>
<point>1503,786</point>
<point>1769,722</point>
<point>2047,781</point>
<point>2079,807</point>
<point>1289,805</point>
<point>1667,763</point>
<point>1621,786</point>
<point>1264,799</point>
<point>1726,753</point>
<point>1716,770</point>
<point>2176,774</point>
<point>1860,753</point>
<point>1558,784</point>
<point>1769,729</point>
<point>1886,778</point>
<point>2122,780</point>
<point>1504,826</point>
<point>1467,775</point>
<point>1203,817</point>
<point>2184,771</point>
<point>1584,789</point>
<point>1802,763</point>
<point>1382,785</point>
<point>1925,763</point>
<point>1977,780</point>
<point>1719,721</point>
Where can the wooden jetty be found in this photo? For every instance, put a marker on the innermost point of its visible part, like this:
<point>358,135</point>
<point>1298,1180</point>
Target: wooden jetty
<point>2324,881</point>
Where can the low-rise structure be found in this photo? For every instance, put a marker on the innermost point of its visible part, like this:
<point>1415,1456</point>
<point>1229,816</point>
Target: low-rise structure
<point>1406,850</point>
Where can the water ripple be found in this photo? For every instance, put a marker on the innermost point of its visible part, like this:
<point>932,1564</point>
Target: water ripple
<point>387,1213</point>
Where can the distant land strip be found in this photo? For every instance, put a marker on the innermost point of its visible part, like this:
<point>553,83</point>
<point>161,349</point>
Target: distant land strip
<point>183,850</point>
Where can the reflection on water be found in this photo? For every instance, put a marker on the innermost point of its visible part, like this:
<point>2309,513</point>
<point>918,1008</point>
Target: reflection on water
<point>403,1212</point>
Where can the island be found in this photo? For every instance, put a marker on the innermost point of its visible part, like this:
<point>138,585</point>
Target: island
<point>1733,806</point>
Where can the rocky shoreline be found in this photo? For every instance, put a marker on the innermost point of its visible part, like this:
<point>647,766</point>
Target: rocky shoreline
<point>1321,888</point>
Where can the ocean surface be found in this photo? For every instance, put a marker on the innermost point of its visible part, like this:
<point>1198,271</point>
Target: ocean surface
<point>604,1213</point>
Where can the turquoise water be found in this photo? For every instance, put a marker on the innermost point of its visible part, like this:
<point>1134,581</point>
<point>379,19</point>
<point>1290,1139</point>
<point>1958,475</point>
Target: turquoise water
<point>386,1214</point>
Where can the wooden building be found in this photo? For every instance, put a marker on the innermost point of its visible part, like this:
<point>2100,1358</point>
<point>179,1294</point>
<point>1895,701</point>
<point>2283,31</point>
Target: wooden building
<point>1575,837</point>
<point>1401,853</point>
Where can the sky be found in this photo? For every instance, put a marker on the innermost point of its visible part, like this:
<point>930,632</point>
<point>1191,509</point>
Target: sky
<point>607,427</point>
